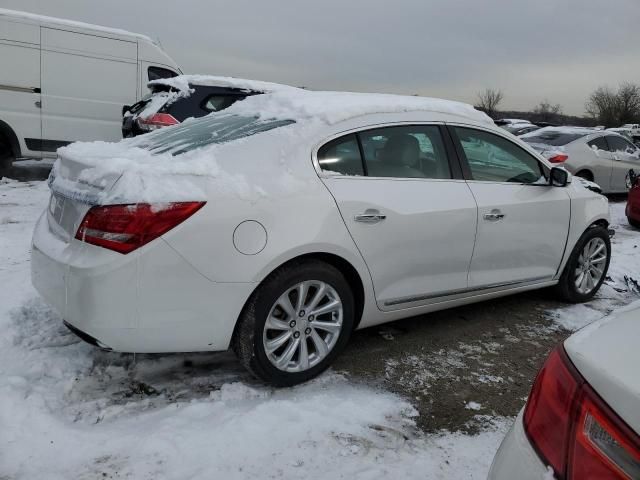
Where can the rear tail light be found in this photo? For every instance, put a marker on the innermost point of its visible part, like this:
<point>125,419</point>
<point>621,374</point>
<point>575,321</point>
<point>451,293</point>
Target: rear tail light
<point>574,430</point>
<point>157,120</point>
<point>559,158</point>
<point>123,228</point>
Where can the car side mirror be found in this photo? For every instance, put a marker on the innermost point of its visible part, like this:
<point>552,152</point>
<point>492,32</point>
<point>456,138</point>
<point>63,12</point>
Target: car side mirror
<point>125,109</point>
<point>558,177</point>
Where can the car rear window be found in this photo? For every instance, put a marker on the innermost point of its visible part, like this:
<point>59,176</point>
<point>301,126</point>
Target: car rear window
<point>555,138</point>
<point>212,129</point>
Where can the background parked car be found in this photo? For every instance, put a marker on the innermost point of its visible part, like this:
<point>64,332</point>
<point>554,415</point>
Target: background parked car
<point>633,201</point>
<point>501,122</point>
<point>599,156</point>
<point>63,81</point>
<point>281,224</point>
<point>520,128</point>
<point>173,100</point>
<point>582,418</point>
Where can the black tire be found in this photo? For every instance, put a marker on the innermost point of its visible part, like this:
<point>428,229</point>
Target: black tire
<point>6,157</point>
<point>633,223</point>
<point>247,341</point>
<point>566,288</point>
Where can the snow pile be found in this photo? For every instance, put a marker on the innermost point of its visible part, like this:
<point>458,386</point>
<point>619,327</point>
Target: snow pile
<point>70,411</point>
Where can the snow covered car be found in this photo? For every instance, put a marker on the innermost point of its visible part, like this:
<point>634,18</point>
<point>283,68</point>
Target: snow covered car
<point>173,100</point>
<point>582,419</point>
<point>600,156</point>
<point>632,209</point>
<point>283,223</point>
<point>520,128</point>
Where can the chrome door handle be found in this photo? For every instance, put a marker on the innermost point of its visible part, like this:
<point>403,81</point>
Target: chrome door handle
<point>493,216</point>
<point>370,216</point>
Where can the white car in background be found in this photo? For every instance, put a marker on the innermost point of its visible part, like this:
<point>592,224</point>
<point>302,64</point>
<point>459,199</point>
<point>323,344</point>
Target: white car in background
<point>600,156</point>
<point>582,419</point>
<point>282,223</point>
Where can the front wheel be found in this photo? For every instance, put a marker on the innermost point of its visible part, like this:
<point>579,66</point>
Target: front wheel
<point>6,158</point>
<point>633,223</point>
<point>295,323</point>
<point>587,266</point>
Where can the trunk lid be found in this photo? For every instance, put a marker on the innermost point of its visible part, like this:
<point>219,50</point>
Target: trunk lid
<point>606,354</point>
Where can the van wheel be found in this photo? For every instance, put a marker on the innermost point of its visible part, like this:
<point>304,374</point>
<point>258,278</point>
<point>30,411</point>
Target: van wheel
<point>295,324</point>
<point>587,266</point>
<point>6,157</point>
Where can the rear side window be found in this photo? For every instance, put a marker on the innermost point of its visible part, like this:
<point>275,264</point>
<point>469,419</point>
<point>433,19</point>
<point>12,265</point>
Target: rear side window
<point>216,102</point>
<point>492,158</point>
<point>556,138</point>
<point>341,155</point>
<point>599,143</point>
<point>405,152</point>
<point>156,73</point>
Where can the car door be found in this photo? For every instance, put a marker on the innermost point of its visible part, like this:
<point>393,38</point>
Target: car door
<point>410,213</point>
<point>599,161</point>
<point>625,157</point>
<point>522,222</point>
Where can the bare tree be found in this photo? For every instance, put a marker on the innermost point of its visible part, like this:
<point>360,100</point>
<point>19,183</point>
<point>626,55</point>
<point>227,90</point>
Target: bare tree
<point>611,108</point>
<point>545,111</point>
<point>488,101</point>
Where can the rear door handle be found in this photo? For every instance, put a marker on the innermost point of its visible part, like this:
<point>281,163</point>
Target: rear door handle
<point>370,216</point>
<point>493,216</point>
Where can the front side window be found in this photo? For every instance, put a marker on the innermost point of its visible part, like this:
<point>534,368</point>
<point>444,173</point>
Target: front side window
<point>156,73</point>
<point>492,158</point>
<point>405,152</point>
<point>618,144</point>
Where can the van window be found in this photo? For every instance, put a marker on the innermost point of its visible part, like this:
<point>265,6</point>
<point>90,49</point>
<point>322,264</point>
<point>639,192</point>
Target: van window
<point>156,73</point>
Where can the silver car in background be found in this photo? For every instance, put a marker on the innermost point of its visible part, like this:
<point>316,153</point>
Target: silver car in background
<point>600,156</point>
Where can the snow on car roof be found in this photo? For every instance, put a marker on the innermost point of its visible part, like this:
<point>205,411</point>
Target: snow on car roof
<point>70,23</point>
<point>287,102</point>
<point>184,83</point>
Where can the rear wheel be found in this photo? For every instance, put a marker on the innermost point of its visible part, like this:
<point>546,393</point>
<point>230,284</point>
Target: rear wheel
<point>587,266</point>
<point>295,324</point>
<point>633,223</point>
<point>586,174</point>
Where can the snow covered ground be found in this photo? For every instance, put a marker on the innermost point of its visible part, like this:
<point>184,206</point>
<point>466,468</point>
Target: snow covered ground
<point>70,411</point>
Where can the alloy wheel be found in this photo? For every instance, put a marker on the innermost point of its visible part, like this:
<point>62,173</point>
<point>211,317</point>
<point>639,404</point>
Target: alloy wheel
<point>591,265</point>
<point>303,326</point>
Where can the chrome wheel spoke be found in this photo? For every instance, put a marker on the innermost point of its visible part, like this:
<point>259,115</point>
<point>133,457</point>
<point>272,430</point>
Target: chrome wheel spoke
<point>285,304</point>
<point>303,359</point>
<point>303,290</point>
<point>330,327</point>
<point>597,250</point>
<point>275,343</point>
<point>288,354</point>
<point>274,323</point>
<point>591,265</point>
<point>599,259</point>
<point>319,343</point>
<point>319,295</point>
<point>327,307</point>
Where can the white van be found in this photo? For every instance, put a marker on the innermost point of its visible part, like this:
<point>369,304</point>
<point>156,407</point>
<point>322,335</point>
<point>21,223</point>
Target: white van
<point>62,81</point>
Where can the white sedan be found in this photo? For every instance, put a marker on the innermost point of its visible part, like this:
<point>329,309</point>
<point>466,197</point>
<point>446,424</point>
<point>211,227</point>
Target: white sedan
<point>282,224</point>
<point>582,420</point>
<point>600,156</point>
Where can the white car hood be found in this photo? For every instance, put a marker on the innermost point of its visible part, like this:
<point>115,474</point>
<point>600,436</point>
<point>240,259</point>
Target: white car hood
<point>607,354</point>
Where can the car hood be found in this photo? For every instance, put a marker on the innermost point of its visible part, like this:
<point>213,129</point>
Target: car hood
<point>607,354</point>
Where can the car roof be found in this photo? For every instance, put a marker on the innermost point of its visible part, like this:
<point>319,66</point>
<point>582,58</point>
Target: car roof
<point>184,83</point>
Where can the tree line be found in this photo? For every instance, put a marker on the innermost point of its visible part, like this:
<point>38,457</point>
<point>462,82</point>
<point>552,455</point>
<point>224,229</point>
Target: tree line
<point>605,106</point>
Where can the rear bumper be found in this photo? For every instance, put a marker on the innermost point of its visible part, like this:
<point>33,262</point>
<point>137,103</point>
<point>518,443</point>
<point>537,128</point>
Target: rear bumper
<point>516,458</point>
<point>150,300</point>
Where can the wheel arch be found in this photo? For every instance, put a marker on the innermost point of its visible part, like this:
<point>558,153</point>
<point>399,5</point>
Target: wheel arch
<point>344,266</point>
<point>585,173</point>
<point>7,132</point>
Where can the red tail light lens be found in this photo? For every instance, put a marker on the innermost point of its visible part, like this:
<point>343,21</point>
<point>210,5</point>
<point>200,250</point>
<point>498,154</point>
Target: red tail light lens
<point>123,228</point>
<point>558,158</point>
<point>157,120</point>
<point>574,430</point>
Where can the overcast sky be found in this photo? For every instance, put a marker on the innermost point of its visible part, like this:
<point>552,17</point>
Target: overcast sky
<point>560,50</point>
